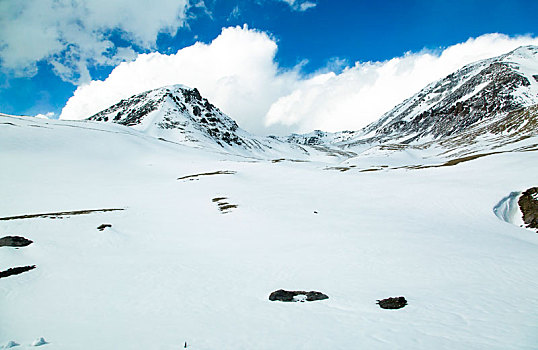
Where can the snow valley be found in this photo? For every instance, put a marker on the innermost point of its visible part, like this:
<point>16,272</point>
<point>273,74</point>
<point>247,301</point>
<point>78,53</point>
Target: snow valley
<point>158,223</point>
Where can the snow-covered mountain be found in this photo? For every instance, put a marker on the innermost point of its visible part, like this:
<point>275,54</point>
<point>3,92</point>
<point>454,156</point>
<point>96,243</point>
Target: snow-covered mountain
<point>179,113</point>
<point>479,92</point>
<point>484,92</point>
<point>472,103</point>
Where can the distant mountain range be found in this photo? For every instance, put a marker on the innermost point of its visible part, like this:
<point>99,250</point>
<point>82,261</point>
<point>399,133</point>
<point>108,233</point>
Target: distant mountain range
<point>490,99</point>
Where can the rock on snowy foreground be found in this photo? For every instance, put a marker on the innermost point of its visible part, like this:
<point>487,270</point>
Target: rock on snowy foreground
<point>528,204</point>
<point>392,303</point>
<point>416,219</point>
<point>14,241</point>
<point>301,296</point>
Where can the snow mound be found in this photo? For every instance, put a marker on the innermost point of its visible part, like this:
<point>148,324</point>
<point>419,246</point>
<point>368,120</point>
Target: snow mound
<point>39,342</point>
<point>10,344</point>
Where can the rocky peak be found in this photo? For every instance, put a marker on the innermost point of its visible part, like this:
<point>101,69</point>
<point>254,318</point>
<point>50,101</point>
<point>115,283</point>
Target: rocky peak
<point>173,108</point>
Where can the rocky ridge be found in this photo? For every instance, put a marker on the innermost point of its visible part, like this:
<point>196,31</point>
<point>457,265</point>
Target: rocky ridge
<point>175,107</point>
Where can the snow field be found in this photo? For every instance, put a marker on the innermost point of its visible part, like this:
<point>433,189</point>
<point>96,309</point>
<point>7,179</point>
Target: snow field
<point>172,268</point>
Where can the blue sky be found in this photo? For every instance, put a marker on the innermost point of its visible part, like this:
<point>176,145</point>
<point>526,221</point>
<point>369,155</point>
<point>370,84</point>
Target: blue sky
<point>38,74</point>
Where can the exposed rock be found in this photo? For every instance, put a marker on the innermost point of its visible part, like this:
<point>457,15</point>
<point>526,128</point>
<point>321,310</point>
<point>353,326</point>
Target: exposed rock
<point>392,303</point>
<point>287,295</point>
<point>220,172</point>
<point>103,226</point>
<point>528,204</point>
<point>14,241</point>
<point>16,270</point>
<point>224,206</point>
<point>57,215</point>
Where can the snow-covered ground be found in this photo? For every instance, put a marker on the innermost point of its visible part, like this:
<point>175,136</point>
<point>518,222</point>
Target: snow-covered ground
<point>173,268</point>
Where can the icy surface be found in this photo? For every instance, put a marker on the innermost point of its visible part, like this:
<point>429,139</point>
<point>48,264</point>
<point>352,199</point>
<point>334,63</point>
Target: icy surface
<point>173,269</point>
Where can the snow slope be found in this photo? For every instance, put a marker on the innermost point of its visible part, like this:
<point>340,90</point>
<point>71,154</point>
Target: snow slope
<point>173,268</point>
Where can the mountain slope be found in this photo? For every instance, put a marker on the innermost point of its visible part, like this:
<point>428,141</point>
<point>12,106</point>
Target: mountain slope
<point>177,108</point>
<point>478,92</point>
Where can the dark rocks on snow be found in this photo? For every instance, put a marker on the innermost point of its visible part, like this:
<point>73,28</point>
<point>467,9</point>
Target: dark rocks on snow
<point>528,204</point>
<point>392,303</point>
<point>16,270</point>
<point>103,226</point>
<point>287,295</point>
<point>14,241</point>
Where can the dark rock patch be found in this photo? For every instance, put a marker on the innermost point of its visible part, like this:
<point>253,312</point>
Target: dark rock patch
<point>339,168</point>
<point>14,241</point>
<point>57,215</point>
<point>195,176</point>
<point>103,226</point>
<point>392,303</point>
<point>528,204</point>
<point>16,271</point>
<point>223,206</point>
<point>288,296</point>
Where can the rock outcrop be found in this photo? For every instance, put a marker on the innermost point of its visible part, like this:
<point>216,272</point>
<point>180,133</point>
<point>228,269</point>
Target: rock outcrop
<point>296,296</point>
<point>14,241</point>
<point>392,303</point>
<point>528,204</point>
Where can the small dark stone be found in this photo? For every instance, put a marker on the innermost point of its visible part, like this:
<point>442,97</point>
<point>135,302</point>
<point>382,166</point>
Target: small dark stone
<point>103,226</point>
<point>392,303</point>
<point>14,241</point>
<point>287,295</point>
<point>315,212</point>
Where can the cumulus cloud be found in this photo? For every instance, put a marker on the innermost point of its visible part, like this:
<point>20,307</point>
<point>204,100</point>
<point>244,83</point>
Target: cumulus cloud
<point>362,93</point>
<point>74,35</point>
<point>238,73</point>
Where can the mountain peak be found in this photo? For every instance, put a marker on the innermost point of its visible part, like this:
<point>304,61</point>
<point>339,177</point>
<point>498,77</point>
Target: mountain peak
<point>176,113</point>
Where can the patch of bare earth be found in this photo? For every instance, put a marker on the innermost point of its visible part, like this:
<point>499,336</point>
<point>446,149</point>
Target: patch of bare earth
<point>57,215</point>
<point>224,206</point>
<point>196,176</point>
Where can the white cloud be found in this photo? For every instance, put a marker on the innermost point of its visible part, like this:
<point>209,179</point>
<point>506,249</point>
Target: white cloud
<point>74,34</point>
<point>49,115</point>
<point>362,93</point>
<point>238,73</point>
<point>300,5</point>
